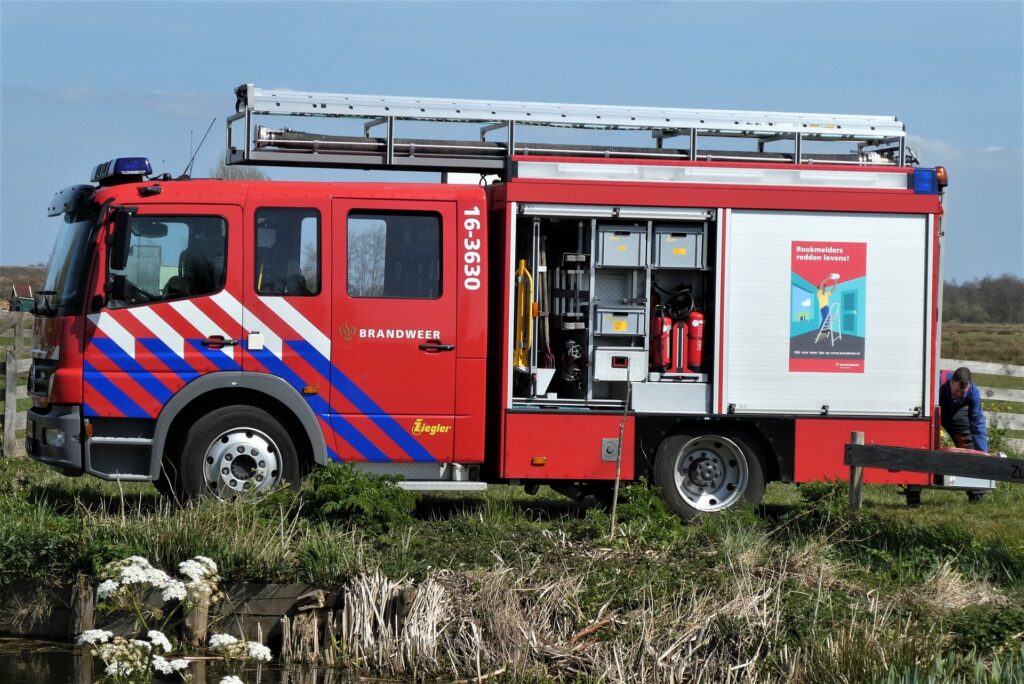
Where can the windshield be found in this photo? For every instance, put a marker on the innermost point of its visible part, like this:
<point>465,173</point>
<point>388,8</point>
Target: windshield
<point>67,264</point>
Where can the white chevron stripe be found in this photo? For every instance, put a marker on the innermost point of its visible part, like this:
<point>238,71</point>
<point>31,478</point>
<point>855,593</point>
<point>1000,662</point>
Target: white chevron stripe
<point>202,322</point>
<point>158,326</point>
<point>249,322</point>
<point>300,324</point>
<point>115,331</point>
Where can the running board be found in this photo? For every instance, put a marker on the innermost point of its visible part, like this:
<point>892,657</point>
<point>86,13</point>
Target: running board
<point>441,486</point>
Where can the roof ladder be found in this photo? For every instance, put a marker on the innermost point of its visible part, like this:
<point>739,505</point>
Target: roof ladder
<point>879,140</point>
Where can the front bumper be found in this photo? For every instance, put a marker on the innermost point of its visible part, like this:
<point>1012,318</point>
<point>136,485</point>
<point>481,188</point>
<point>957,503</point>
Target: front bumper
<point>67,458</point>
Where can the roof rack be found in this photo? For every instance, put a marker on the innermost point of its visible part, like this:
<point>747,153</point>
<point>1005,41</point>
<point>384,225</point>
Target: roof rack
<point>880,140</point>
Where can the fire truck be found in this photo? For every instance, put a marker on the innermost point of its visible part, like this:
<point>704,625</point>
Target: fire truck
<point>714,302</point>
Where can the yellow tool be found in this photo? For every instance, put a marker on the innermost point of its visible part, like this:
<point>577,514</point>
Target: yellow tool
<point>524,316</point>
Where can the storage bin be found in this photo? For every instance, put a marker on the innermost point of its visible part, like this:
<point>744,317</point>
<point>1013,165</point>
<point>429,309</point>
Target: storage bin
<point>624,246</point>
<point>620,322</point>
<point>677,247</point>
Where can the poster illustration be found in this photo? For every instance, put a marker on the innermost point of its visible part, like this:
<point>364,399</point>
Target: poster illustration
<point>826,324</point>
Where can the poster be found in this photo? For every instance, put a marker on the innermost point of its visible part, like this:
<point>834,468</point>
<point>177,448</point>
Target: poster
<point>826,326</point>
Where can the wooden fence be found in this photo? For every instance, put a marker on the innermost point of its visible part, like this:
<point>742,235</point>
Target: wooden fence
<point>1009,421</point>
<point>15,341</point>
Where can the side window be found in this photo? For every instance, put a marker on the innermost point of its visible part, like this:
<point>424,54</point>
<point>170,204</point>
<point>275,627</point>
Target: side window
<point>396,256</point>
<point>287,252</point>
<point>173,257</point>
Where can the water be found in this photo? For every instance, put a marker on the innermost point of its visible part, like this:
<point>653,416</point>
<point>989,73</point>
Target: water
<point>39,662</point>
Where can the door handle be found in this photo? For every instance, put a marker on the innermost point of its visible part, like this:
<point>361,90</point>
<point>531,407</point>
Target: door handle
<point>434,347</point>
<point>218,341</point>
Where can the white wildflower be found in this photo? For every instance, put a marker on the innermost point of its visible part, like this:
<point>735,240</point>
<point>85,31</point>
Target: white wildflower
<point>118,668</point>
<point>162,665</point>
<point>193,570</point>
<point>258,651</point>
<point>221,640</point>
<point>133,574</point>
<point>174,591</point>
<point>94,636</point>
<point>138,561</point>
<point>142,644</point>
<point>158,639</point>
<point>106,589</point>
<point>231,679</point>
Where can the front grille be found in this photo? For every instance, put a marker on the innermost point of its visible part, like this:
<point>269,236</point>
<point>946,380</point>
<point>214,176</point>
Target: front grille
<point>39,377</point>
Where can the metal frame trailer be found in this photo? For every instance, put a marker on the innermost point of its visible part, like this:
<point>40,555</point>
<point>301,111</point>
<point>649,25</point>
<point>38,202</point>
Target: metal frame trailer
<point>710,318</point>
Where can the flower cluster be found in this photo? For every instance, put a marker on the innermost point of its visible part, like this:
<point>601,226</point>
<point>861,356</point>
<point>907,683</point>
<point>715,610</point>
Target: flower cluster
<point>134,572</point>
<point>130,660</point>
<point>233,648</point>
<point>202,578</point>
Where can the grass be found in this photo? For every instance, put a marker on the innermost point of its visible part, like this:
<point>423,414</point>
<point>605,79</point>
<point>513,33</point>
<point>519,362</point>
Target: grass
<point>994,343</point>
<point>799,591</point>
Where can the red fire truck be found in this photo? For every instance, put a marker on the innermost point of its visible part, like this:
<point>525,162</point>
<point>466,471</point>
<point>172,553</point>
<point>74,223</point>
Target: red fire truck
<point>709,316</point>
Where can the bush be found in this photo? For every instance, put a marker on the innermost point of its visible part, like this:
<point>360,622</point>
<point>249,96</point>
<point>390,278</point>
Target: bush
<point>340,493</point>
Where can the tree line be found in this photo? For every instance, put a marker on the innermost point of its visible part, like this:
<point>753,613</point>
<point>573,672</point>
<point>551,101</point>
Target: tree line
<point>990,299</point>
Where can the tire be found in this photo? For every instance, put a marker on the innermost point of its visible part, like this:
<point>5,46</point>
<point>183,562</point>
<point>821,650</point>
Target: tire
<point>707,473</point>
<point>236,450</point>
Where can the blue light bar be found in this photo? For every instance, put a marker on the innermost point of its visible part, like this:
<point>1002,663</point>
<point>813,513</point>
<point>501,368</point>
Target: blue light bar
<point>926,182</point>
<point>121,170</point>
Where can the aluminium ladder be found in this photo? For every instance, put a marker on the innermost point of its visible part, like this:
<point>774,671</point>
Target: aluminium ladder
<point>880,140</point>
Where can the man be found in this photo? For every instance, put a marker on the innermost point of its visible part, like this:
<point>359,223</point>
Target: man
<point>960,402</point>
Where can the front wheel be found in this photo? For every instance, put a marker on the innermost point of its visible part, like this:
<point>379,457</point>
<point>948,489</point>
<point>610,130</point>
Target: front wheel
<point>706,474</point>
<point>236,450</point>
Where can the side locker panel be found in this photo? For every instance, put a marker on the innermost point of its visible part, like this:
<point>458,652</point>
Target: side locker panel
<point>825,314</point>
<point>567,446</point>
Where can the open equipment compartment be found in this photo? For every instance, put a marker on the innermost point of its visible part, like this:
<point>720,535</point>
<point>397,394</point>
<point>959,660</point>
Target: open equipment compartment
<point>613,302</point>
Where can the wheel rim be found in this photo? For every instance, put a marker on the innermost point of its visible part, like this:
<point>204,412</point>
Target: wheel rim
<point>239,461</point>
<point>711,473</point>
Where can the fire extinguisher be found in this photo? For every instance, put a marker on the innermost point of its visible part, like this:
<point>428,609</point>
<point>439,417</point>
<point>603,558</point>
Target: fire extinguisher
<point>695,340</point>
<point>661,346</point>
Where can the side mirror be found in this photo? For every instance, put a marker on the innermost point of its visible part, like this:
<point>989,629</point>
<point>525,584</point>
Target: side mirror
<point>120,240</point>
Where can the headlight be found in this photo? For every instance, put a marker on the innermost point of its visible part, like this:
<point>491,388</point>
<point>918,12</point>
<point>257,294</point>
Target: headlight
<point>53,437</point>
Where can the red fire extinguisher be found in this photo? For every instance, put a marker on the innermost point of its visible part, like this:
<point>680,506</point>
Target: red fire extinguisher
<point>695,341</point>
<point>661,347</point>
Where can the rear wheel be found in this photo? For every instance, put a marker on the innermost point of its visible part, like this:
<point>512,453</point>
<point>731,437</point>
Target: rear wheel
<point>707,473</point>
<point>236,450</point>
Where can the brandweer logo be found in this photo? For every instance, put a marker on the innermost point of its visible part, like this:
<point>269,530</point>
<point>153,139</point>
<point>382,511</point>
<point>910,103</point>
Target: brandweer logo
<point>421,428</point>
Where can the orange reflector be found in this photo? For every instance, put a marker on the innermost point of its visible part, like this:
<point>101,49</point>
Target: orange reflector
<point>539,460</point>
<point>88,429</point>
<point>310,389</point>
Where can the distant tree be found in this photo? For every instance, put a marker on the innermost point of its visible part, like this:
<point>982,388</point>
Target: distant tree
<point>225,171</point>
<point>987,300</point>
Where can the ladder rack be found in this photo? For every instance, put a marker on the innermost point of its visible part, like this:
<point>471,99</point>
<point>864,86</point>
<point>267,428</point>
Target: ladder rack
<point>880,140</point>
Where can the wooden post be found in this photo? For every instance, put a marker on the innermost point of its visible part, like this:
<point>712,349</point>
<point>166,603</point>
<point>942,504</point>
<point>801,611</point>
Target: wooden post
<point>196,622</point>
<point>10,406</point>
<point>83,607</point>
<point>856,476</point>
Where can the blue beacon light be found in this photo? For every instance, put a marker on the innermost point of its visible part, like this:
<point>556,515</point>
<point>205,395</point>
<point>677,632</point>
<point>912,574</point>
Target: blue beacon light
<point>122,170</point>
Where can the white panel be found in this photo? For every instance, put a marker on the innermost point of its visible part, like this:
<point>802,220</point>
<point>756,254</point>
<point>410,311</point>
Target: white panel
<point>715,175</point>
<point>757,314</point>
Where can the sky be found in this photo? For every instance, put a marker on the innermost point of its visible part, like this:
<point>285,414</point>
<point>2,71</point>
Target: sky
<point>84,82</point>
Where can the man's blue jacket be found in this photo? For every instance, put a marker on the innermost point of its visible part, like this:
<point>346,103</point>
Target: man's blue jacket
<point>972,398</point>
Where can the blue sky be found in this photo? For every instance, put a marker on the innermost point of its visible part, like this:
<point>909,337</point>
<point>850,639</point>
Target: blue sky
<point>83,82</point>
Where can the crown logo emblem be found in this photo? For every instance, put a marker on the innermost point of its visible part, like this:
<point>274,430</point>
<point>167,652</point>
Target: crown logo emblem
<point>347,331</point>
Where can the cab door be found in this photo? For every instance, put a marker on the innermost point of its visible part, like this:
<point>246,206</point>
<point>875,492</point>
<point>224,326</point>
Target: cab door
<point>393,340</point>
<point>287,295</point>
